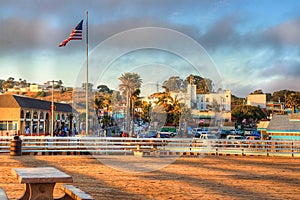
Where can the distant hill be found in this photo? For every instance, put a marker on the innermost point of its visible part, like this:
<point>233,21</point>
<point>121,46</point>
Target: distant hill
<point>66,97</point>
<point>60,97</point>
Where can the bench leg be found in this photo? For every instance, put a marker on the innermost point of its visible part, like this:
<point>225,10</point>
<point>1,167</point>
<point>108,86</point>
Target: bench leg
<point>65,197</point>
<point>38,191</point>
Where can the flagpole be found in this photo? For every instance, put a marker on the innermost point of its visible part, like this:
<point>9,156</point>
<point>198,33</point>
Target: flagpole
<point>87,78</point>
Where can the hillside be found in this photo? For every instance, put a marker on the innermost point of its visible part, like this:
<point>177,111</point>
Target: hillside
<point>58,96</point>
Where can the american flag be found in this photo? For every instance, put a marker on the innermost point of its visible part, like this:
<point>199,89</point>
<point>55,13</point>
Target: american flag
<point>76,34</point>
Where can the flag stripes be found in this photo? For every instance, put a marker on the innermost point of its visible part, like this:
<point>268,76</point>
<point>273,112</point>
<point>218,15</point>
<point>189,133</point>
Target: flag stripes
<point>76,34</point>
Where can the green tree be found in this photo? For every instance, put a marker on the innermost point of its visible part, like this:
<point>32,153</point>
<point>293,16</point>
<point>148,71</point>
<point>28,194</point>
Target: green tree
<point>171,106</point>
<point>250,113</point>
<point>257,92</point>
<point>203,85</point>
<point>281,95</point>
<point>292,101</point>
<point>9,83</point>
<point>146,107</point>
<point>40,94</point>
<point>173,84</point>
<point>104,89</point>
<point>90,86</point>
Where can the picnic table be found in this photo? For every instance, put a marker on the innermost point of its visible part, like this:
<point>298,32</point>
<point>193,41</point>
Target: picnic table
<point>40,181</point>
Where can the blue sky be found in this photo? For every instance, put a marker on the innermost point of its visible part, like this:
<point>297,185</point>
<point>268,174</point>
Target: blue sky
<point>252,44</point>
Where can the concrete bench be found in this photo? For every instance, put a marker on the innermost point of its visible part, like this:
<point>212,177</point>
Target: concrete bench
<point>3,195</point>
<point>72,192</point>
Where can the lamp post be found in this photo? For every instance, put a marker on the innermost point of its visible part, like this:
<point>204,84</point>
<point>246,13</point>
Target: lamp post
<point>52,109</point>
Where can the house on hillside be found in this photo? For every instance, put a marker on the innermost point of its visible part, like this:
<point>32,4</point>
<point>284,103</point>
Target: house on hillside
<point>29,116</point>
<point>284,127</point>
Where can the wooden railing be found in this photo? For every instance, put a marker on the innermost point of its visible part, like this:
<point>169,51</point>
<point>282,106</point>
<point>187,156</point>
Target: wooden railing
<point>151,146</point>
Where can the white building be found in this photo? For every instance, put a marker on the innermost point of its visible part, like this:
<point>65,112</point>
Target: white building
<point>257,100</point>
<point>220,101</point>
<point>35,88</point>
<point>208,105</point>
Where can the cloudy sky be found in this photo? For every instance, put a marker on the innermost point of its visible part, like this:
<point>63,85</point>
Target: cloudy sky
<point>250,44</point>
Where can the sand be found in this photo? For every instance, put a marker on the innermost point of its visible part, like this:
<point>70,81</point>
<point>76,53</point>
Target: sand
<point>211,177</point>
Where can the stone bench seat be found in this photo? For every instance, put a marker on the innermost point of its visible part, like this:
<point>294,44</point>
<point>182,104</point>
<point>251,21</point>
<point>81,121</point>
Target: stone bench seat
<point>72,192</point>
<point>3,195</point>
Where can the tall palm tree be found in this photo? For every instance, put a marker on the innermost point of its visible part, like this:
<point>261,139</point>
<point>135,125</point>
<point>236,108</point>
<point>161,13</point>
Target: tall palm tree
<point>130,85</point>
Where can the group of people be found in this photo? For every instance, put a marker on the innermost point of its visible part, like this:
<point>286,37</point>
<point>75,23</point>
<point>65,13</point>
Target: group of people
<point>64,131</point>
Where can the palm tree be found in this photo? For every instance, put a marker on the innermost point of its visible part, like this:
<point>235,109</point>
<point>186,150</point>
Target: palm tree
<point>292,101</point>
<point>130,85</point>
<point>171,106</point>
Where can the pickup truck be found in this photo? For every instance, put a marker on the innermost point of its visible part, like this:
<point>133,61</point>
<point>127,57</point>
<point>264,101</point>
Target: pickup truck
<point>205,140</point>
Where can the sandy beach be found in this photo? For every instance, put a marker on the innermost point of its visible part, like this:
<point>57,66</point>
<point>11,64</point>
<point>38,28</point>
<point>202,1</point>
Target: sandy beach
<point>212,177</point>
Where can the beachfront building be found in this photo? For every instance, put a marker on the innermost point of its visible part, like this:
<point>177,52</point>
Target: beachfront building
<point>284,127</point>
<point>28,116</point>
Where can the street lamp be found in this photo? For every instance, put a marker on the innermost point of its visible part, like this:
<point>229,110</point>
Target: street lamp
<point>52,109</point>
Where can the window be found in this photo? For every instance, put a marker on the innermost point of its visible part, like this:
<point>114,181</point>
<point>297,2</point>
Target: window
<point>41,127</point>
<point>28,115</point>
<point>35,115</point>
<point>8,125</point>
<point>15,126</point>
<point>34,127</point>
<point>41,115</point>
<point>3,125</point>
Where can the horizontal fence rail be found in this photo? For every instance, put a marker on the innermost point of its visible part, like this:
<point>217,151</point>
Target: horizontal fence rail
<point>40,145</point>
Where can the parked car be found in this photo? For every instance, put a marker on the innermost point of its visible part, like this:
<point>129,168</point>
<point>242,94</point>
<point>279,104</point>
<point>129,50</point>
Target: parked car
<point>199,131</point>
<point>225,133</point>
<point>239,132</point>
<point>167,132</point>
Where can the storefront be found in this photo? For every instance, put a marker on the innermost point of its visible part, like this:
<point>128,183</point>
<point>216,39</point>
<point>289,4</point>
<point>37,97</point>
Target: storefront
<point>28,116</point>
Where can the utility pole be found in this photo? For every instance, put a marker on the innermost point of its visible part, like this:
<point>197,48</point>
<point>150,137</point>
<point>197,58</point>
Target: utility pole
<point>52,110</point>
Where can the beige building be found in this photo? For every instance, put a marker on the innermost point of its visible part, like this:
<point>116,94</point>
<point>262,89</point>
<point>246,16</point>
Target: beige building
<point>28,116</point>
<point>35,88</point>
<point>257,100</point>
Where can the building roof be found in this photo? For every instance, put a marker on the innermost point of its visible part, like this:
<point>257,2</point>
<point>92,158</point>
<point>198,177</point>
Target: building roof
<point>283,123</point>
<point>16,101</point>
<point>262,125</point>
<point>8,101</point>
